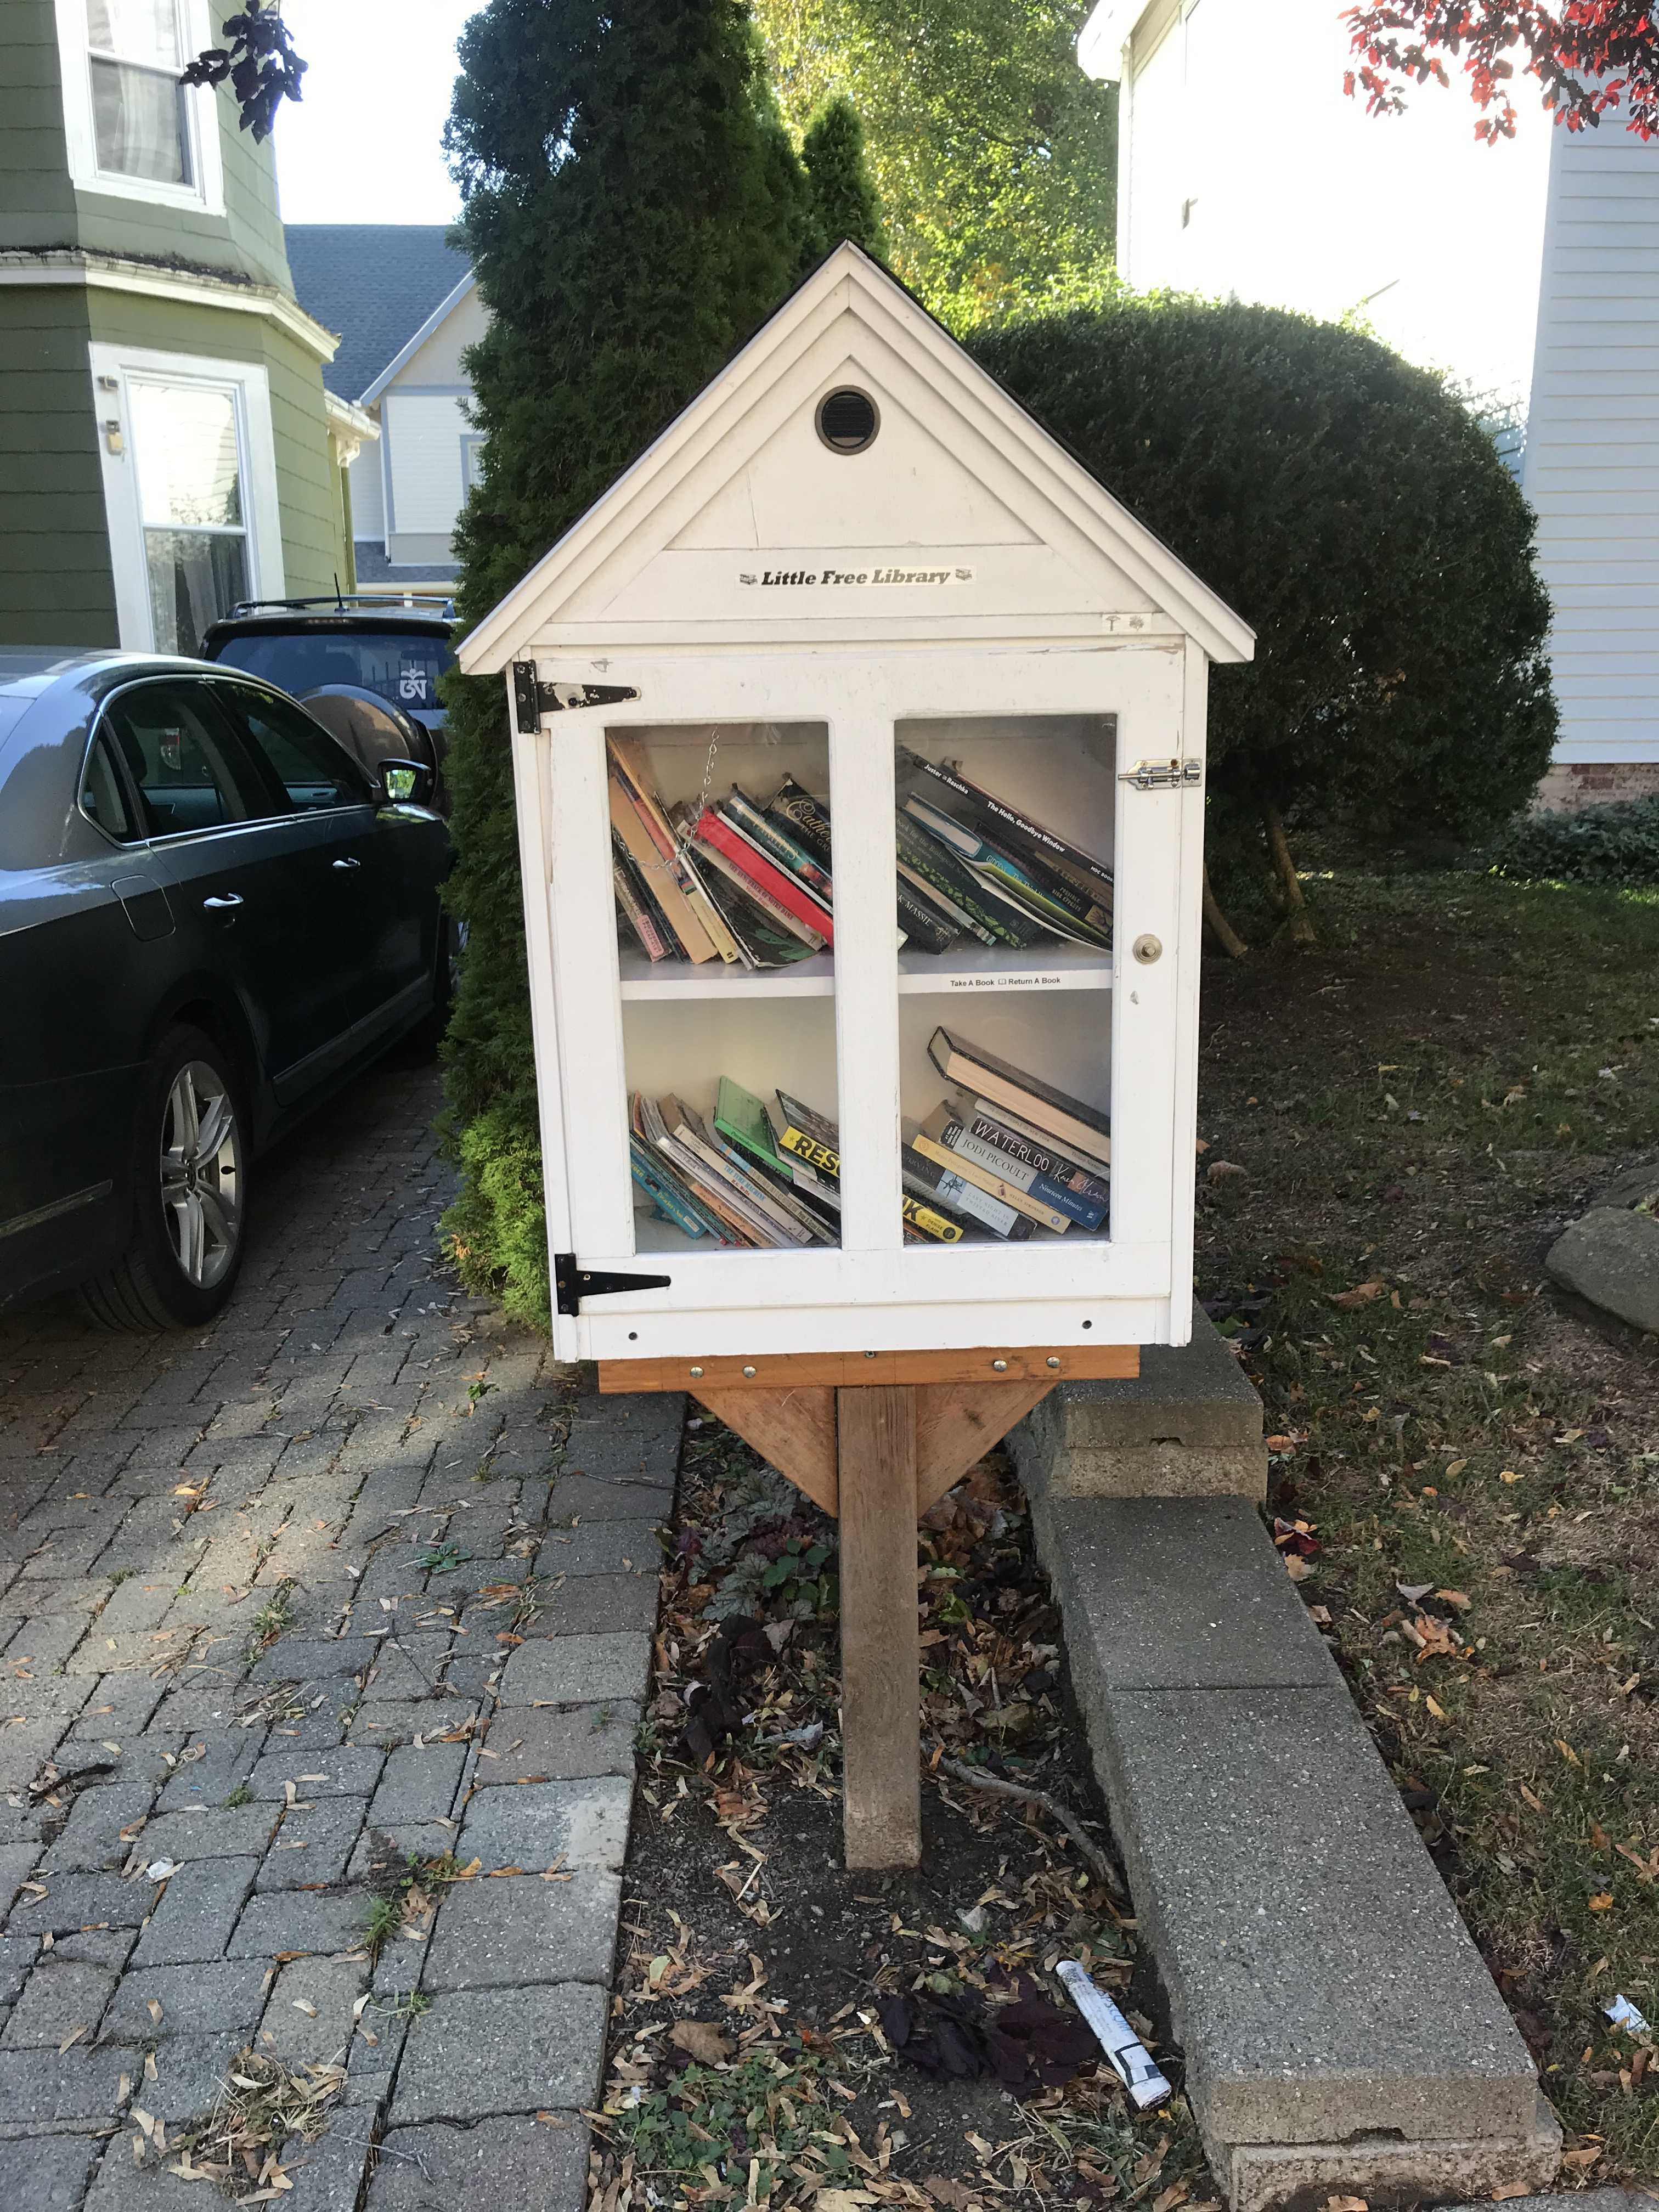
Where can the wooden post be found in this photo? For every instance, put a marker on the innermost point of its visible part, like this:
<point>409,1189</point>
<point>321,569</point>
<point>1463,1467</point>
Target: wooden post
<point>880,1637</point>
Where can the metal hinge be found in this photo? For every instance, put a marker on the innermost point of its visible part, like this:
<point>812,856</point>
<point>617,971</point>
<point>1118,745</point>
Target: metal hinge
<point>572,1284</point>
<point>1165,776</point>
<point>532,698</point>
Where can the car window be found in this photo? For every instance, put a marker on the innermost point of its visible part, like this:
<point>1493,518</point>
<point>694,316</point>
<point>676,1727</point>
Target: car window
<point>311,768</point>
<point>104,795</point>
<point>190,771</point>
<point>402,667</point>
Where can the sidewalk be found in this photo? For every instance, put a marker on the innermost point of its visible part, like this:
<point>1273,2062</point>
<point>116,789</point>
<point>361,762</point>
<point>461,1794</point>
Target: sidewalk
<point>349,1592</point>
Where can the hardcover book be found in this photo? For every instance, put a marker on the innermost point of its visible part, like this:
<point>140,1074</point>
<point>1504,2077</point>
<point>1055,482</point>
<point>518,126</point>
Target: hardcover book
<point>1017,829</point>
<point>1002,1130</point>
<point>1081,1129</point>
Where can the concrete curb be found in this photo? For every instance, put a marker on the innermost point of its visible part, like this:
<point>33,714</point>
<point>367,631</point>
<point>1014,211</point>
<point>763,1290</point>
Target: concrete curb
<point>1188,1426</point>
<point>1340,2030</point>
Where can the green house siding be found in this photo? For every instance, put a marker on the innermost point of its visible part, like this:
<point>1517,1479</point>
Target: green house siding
<point>55,586</point>
<point>37,202</point>
<point>312,548</point>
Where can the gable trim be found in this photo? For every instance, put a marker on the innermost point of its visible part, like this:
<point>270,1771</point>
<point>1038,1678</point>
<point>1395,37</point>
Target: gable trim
<point>848,281</point>
<point>435,321</point>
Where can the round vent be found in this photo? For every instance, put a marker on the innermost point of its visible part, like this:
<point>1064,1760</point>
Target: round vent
<point>847,421</point>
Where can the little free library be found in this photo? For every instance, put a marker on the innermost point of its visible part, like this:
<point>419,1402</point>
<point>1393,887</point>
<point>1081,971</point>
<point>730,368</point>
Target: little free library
<point>858,755</point>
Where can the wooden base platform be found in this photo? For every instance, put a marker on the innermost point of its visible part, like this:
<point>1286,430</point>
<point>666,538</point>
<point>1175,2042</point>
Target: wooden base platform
<point>876,1438</point>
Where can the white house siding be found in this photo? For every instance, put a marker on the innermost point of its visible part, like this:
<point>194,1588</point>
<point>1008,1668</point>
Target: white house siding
<point>367,496</point>
<point>421,433</point>
<point>1592,465</point>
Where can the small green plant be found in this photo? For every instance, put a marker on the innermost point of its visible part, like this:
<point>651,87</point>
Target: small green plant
<point>122,1574</point>
<point>241,1794</point>
<point>385,1917</point>
<point>797,1576</point>
<point>777,2103</point>
<point>275,1617</point>
<point>479,1390</point>
<point>409,2006</point>
<point>443,1559</point>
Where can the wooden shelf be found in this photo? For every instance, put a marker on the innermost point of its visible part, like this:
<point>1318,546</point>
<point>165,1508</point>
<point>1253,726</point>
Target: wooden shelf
<point>965,971</point>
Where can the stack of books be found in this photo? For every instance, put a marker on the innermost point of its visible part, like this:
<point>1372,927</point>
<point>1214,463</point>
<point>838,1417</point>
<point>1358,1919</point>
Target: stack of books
<point>733,881</point>
<point>1011,1155</point>
<point>987,870</point>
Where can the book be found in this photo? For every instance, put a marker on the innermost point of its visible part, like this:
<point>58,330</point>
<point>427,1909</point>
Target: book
<point>743,813</point>
<point>1078,1204</point>
<point>782,916</point>
<point>757,1206</point>
<point>721,837</point>
<point>710,1192</point>
<point>927,1179</point>
<point>1003,1129</point>
<point>1081,1128</point>
<point>1025,835</point>
<point>796,812</point>
<point>1044,895</point>
<point>990,922</point>
<point>816,1139</point>
<point>633,908</point>
<point>641,795</point>
<point>930,1141</point>
<point>936,901</point>
<point>643,892</point>
<point>691,936</point>
<point>667,1198</point>
<point>650,1171</point>
<point>920,918</point>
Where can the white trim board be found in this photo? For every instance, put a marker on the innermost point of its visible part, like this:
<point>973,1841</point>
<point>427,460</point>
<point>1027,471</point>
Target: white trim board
<point>207,194</point>
<point>107,272</point>
<point>123,515</point>
<point>850,321</point>
<point>439,316</point>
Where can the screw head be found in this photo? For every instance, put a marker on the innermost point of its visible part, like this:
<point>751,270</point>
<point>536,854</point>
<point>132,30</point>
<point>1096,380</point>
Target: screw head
<point>750,1373</point>
<point>1051,1361</point>
<point>1148,949</point>
<point>696,1374</point>
<point>999,1366</point>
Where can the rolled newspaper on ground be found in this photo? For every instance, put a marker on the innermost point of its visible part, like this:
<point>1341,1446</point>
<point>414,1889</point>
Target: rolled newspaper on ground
<point>1130,2060</point>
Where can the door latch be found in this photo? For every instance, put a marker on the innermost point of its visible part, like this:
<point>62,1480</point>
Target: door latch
<point>532,698</point>
<point>1165,776</point>
<point>572,1284</point>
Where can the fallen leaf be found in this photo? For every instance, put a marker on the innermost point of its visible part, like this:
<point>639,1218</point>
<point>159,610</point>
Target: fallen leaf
<point>1361,1295</point>
<point>700,2040</point>
<point>154,2010</point>
<point>75,2033</point>
<point>1508,1474</point>
<point>1456,1465</point>
<point>304,2005</point>
<point>1602,1901</point>
<point>1434,1707</point>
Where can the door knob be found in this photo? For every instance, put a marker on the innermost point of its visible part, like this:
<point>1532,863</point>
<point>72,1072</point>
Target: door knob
<point>220,905</point>
<point>347,864</point>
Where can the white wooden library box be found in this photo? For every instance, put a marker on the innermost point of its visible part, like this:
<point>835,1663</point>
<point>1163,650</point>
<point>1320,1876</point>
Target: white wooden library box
<point>854,579</point>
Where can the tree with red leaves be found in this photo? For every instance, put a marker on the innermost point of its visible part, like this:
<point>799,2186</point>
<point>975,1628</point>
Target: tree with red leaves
<point>1591,58</point>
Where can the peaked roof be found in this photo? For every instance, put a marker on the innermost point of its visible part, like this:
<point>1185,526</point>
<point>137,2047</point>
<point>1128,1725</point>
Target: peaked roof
<point>377,283</point>
<point>621,564</point>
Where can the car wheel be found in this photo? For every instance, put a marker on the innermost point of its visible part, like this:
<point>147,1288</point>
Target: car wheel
<point>189,1185</point>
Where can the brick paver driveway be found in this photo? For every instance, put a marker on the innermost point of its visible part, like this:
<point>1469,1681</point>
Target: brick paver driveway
<point>357,1577</point>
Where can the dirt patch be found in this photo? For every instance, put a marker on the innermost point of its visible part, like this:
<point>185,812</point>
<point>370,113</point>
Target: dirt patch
<point>739,1914</point>
<point>1418,1107</point>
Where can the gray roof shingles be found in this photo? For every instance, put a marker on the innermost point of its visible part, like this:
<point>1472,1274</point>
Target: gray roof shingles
<point>374,282</point>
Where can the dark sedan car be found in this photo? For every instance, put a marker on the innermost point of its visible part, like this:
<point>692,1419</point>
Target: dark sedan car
<point>210,918</point>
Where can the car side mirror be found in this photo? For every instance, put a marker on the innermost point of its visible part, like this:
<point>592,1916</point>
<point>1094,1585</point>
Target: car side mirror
<point>407,783</point>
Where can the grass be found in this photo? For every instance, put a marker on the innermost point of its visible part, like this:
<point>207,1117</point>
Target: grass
<point>1420,1105</point>
<point>275,1618</point>
<point>759,2119</point>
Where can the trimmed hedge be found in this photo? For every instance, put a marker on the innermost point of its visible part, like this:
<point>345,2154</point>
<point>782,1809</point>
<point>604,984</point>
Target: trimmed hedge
<point>1615,844</point>
<point>1359,519</point>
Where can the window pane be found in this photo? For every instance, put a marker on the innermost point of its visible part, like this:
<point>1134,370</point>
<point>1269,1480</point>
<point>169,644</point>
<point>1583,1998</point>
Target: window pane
<point>401,668</point>
<point>311,768</point>
<point>181,759</point>
<point>189,466</point>
<point>103,796</point>
<point>193,580</point>
<point>137,30</point>
<point>138,123</point>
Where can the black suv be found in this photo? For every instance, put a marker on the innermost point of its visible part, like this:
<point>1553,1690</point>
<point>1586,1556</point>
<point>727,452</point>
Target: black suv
<point>367,669</point>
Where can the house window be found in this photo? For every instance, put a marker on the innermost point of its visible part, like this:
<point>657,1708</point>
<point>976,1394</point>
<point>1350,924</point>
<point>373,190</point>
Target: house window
<point>132,131</point>
<point>472,460</point>
<point>188,454</point>
<point>139,117</point>
<point>187,450</point>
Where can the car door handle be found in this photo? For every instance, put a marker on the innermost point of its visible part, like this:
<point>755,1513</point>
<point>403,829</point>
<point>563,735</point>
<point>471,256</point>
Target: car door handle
<point>346,864</point>
<point>219,905</point>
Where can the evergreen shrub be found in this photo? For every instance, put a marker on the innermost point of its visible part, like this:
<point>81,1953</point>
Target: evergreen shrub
<point>1614,844</point>
<point>1356,514</point>
<point>634,209</point>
